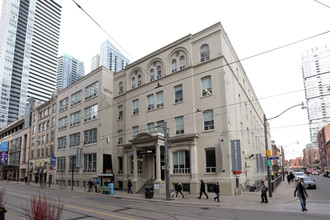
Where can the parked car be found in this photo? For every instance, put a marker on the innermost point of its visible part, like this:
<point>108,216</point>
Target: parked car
<point>299,175</point>
<point>309,183</point>
<point>326,173</point>
<point>314,172</point>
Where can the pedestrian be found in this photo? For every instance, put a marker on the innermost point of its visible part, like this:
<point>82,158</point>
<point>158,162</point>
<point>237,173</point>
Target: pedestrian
<point>203,190</point>
<point>302,194</point>
<point>264,190</point>
<point>217,192</point>
<point>288,178</point>
<point>129,187</point>
<point>179,189</point>
<point>90,185</point>
<point>291,177</point>
<point>97,182</point>
<point>25,179</point>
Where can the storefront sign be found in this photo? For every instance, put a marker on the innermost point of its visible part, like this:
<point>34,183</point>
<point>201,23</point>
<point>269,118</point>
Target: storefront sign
<point>4,158</point>
<point>4,147</point>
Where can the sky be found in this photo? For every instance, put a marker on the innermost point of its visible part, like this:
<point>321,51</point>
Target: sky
<point>140,27</point>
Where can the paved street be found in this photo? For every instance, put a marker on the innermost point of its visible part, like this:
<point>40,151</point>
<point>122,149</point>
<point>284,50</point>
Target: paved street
<point>79,204</point>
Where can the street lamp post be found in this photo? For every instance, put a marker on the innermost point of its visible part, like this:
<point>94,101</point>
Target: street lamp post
<point>270,191</point>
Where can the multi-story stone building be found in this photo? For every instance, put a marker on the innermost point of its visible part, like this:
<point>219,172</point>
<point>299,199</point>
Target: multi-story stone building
<point>84,125</point>
<point>200,89</point>
<point>311,154</point>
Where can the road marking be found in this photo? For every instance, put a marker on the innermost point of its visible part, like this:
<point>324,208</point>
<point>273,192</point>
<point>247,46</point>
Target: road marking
<point>74,207</point>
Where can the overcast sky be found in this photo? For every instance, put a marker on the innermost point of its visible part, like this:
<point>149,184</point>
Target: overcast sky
<point>253,26</point>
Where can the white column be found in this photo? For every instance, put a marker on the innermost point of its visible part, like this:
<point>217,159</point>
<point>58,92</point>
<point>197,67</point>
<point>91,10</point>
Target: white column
<point>125,166</point>
<point>193,163</point>
<point>135,163</point>
<point>158,168</point>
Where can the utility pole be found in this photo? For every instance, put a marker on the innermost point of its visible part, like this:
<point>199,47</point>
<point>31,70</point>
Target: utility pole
<point>167,173</point>
<point>268,167</point>
<point>71,172</point>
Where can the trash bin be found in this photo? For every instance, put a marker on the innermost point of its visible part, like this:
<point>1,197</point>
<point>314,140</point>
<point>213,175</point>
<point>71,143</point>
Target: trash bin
<point>149,191</point>
<point>112,188</point>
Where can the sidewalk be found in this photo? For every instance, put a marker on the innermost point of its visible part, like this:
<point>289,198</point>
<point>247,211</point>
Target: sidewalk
<point>282,199</point>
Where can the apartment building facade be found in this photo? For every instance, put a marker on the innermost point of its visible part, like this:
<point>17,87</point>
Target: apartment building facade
<point>323,137</point>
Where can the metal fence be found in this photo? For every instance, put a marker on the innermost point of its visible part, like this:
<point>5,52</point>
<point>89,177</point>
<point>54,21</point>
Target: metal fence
<point>276,182</point>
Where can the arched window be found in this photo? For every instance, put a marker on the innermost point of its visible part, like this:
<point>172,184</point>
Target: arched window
<point>159,72</point>
<point>120,88</point>
<point>182,62</point>
<point>205,53</point>
<point>139,80</point>
<point>133,82</point>
<point>152,75</point>
<point>173,65</point>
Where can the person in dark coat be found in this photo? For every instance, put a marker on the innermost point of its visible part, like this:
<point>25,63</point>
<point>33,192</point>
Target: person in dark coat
<point>288,177</point>
<point>203,190</point>
<point>90,185</point>
<point>179,189</point>
<point>217,192</point>
<point>301,193</point>
<point>129,187</point>
<point>291,177</point>
<point>264,190</point>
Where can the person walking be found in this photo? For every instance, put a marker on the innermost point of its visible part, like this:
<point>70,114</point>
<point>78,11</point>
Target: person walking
<point>288,178</point>
<point>217,192</point>
<point>264,190</point>
<point>90,185</point>
<point>302,194</point>
<point>203,190</point>
<point>97,182</point>
<point>129,187</point>
<point>179,188</point>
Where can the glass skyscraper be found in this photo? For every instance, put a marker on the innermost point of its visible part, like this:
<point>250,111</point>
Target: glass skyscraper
<point>111,57</point>
<point>29,36</point>
<point>316,74</point>
<point>69,70</point>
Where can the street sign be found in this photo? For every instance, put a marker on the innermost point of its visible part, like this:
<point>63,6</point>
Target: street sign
<point>268,153</point>
<point>53,161</point>
<point>269,162</point>
<point>273,158</point>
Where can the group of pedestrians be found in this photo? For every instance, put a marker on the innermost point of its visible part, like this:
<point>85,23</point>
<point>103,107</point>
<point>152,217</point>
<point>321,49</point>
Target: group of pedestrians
<point>290,177</point>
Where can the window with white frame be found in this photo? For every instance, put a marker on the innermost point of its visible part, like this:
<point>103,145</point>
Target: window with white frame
<point>150,102</point>
<point>208,120</point>
<point>76,98</point>
<point>61,143</point>
<point>120,88</point>
<point>62,123</point>
<point>159,72</point>
<point>152,75</point>
<point>135,130</point>
<point>120,165</point>
<point>43,139</point>
<point>179,125</point>
<point>53,122</point>
<point>210,160</point>
<point>151,127</point>
<point>91,112</point>
<point>160,99</point>
<point>90,162</point>
<point>90,136</point>
<point>75,139</point>
<point>120,136</point>
<point>182,62</point>
<point>135,107</point>
<point>181,162</point>
<point>139,79</point>
<point>75,118</point>
<point>205,52</point>
<point>72,164</point>
<point>160,126</point>
<point>120,112</point>
<point>91,90</point>
<point>174,67</point>
<point>64,104</point>
<point>178,93</point>
<point>61,164</point>
<point>133,82</point>
<point>54,107</point>
<point>206,86</point>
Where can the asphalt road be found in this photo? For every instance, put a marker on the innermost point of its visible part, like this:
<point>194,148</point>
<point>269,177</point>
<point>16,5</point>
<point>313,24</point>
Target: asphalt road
<point>85,206</point>
<point>322,192</point>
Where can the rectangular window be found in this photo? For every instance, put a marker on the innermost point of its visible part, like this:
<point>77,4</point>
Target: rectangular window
<point>61,164</point>
<point>120,165</point>
<point>62,123</point>
<point>136,107</point>
<point>32,153</point>
<point>42,152</point>
<point>150,102</point>
<point>151,127</point>
<point>64,104</point>
<point>52,136</point>
<point>73,164</point>
<point>120,136</point>
<point>160,126</point>
<point>76,98</point>
<point>75,139</point>
<point>91,90</point>
<point>53,122</point>
<point>54,108</point>
<point>75,118</point>
<point>135,130</point>
<point>43,139</point>
<point>210,160</point>
<point>179,125</point>
<point>120,112</point>
<point>90,136</point>
<point>208,120</point>
<point>178,93</point>
<point>61,143</point>
<point>206,86</point>
<point>91,112</point>
<point>160,99</point>
<point>90,162</point>
<point>181,162</point>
